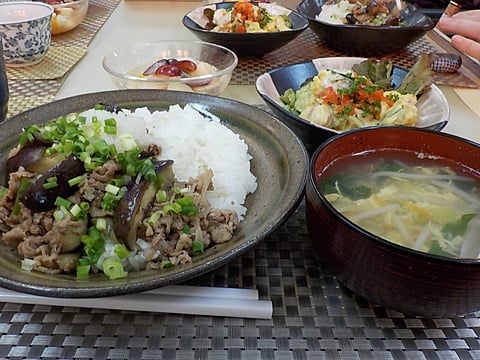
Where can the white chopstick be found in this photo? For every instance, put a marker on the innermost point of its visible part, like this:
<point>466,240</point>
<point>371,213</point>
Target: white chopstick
<point>175,299</point>
<point>205,291</point>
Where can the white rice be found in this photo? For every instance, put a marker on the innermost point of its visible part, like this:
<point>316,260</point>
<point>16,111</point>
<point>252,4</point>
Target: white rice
<point>194,143</point>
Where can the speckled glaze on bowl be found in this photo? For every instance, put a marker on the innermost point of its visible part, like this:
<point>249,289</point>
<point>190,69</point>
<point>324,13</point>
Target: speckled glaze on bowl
<point>26,31</point>
<point>279,163</point>
<point>245,44</point>
<point>433,108</point>
<point>398,278</point>
<point>363,40</point>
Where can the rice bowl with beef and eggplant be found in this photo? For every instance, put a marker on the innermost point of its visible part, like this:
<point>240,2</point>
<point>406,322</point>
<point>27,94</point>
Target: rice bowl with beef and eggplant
<point>114,190</point>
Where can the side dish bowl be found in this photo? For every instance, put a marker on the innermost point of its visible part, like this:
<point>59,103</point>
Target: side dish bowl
<point>245,44</point>
<point>279,161</point>
<point>364,40</point>
<point>433,108</point>
<point>67,14</point>
<point>215,65</point>
<point>397,277</point>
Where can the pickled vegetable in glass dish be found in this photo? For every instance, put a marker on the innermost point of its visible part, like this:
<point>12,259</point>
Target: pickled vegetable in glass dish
<point>170,68</point>
<point>67,15</point>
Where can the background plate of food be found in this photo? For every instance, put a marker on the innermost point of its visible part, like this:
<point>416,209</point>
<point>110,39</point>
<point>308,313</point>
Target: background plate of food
<point>254,30</point>
<point>376,32</point>
<point>315,119</point>
<point>95,206</point>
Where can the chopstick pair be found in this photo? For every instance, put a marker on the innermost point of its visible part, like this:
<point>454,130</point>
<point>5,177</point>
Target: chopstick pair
<point>176,299</point>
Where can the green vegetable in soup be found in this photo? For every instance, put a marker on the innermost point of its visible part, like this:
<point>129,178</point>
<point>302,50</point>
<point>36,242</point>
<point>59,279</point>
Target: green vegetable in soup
<point>427,208</point>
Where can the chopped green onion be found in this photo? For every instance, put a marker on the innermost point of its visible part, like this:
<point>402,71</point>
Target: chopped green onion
<point>188,207</point>
<point>49,185</point>
<point>112,189</point>
<point>93,245</point>
<point>101,224</point>
<point>59,214</point>
<point>113,268</point>
<point>110,122</point>
<point>121,251</point>
<point>186,229</point>
<point>75,210</point>
<point>120,181</point>
<point>27,264</point>
<point>75,181</point>
<point>101,147</point>
<point>166,264</point>
<point>128,142</point>
<point>176,208</point>
<point>110,201</point>
<point>197,248</point>
<point>59,201</point>
<point>68,146</point>
<point>24,185</point>
<point>153,219</point>
<point>161,196</point>
<point>3,191</point>
<point>83,271</point>
<point>85,206</point>
<point>189,211</point>
<point>28,134</point>
<point>111,130</point>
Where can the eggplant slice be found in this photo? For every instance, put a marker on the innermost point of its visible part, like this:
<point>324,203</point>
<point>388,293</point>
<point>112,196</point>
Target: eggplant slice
<point>135,203</point>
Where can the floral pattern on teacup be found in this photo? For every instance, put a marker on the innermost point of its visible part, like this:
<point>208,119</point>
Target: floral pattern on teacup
<point>26,43</point>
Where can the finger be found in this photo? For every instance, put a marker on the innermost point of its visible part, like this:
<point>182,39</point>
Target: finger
<point>466,46</point>
<point>467,28</point>
<point>468,15</point>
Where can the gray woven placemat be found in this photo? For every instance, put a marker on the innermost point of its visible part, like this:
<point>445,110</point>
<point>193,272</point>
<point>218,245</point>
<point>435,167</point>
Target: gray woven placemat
<point>41,86</point>
<point>307,46</point>
<point>314,317</point>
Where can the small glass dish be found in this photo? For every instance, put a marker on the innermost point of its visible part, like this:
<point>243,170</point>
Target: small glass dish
<point>68,14</point>
<point>214,66</point>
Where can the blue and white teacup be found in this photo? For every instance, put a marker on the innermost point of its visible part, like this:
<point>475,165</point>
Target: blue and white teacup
<point>26,31</point>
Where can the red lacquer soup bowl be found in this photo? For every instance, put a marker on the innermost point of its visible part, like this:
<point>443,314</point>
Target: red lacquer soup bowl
<point>401,277</point>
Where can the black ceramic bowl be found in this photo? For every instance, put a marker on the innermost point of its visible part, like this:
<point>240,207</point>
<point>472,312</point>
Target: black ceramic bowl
<point>363,40</point>
<point>433,108</point>
<point>410,281</point>
<point>245,44</point>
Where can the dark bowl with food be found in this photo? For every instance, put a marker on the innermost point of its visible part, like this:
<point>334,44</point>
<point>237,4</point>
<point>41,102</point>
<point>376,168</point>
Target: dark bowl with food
<point>433,108</point>
<point>430,263</point>
<point>367,40</point>
<point>277,159</point>
<point>245,44</point>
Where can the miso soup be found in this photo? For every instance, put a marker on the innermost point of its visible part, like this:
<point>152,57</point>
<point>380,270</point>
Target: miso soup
<point>420,203</point>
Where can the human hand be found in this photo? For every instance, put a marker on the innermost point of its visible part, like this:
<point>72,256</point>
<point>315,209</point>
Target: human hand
<point>465,27</point>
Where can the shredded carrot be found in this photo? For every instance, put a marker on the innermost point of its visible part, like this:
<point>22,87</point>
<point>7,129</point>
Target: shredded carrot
<point>360,96</point>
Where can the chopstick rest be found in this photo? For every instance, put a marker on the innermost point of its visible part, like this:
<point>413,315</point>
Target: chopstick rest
<point>177,299</point>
